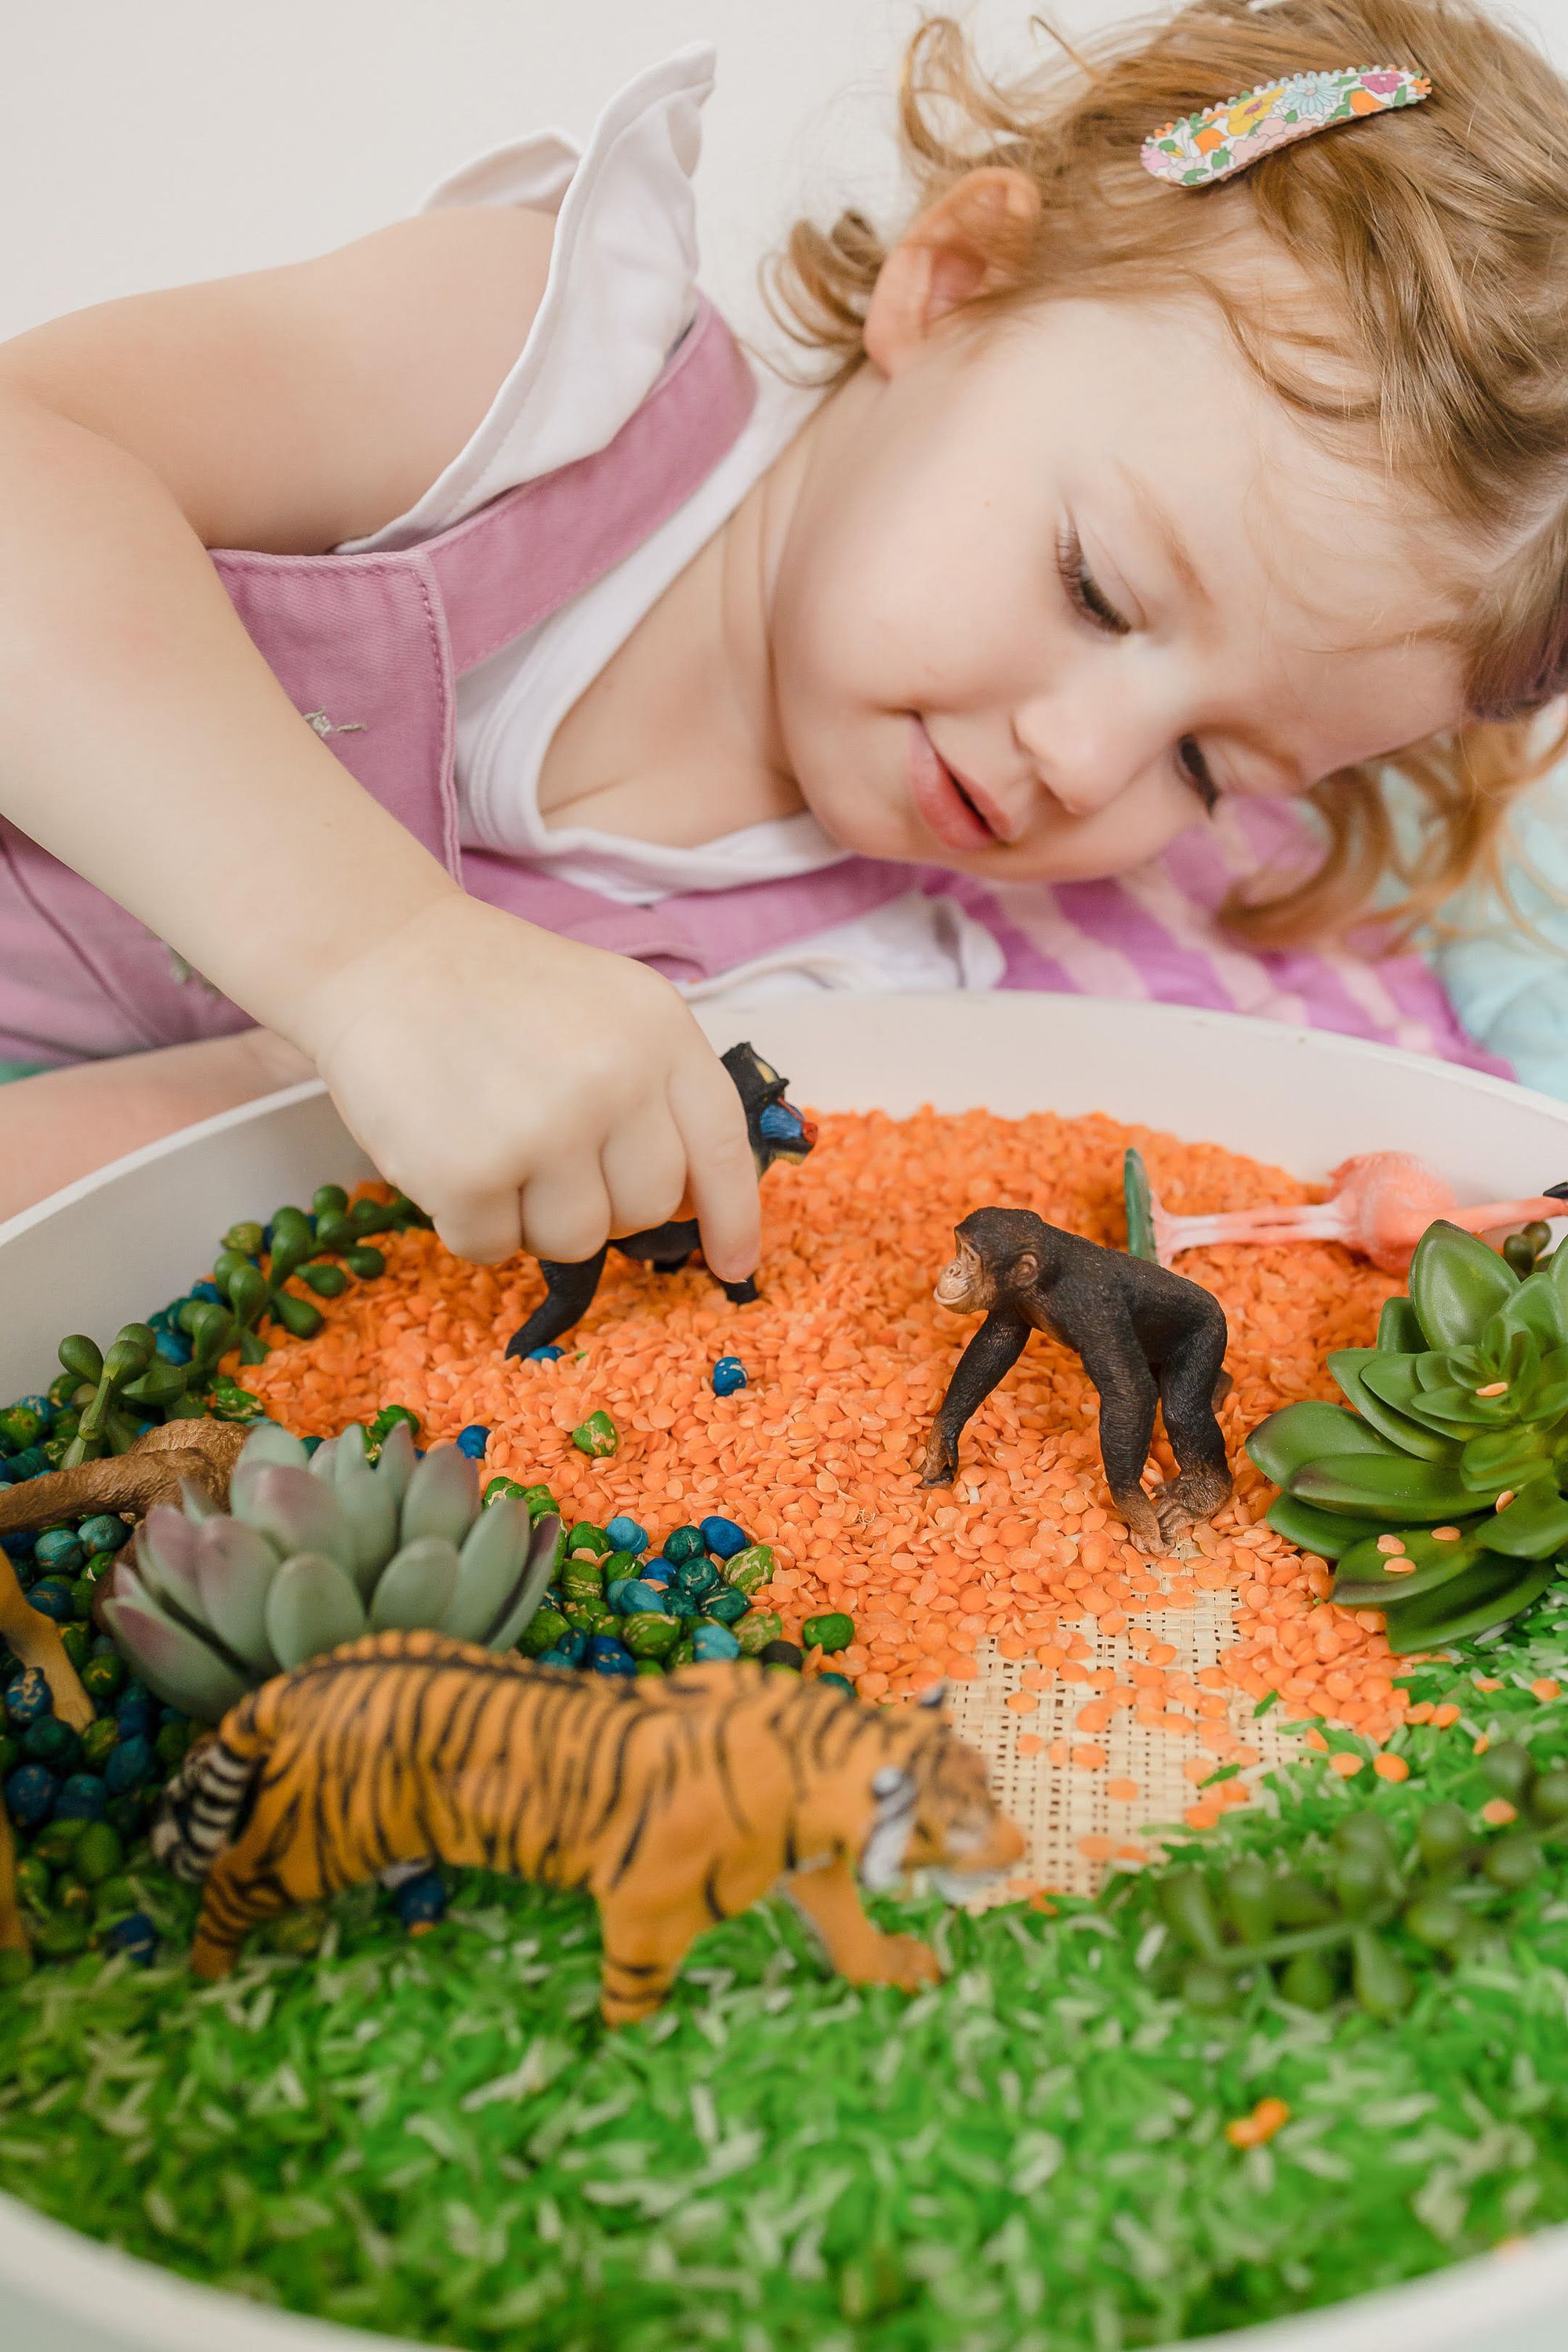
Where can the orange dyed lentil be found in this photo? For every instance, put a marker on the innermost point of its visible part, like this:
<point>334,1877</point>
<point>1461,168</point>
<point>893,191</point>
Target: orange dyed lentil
<point>1251,2131</point>
<point>1125,1792</point>
<point>1391,1767</point>
<point>816,1456</point>
<point>1545,1688</point>
<point>1346,1765</point>
<point>1499,1813</point>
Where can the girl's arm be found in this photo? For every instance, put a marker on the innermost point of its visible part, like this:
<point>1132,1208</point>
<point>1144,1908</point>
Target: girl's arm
<point>145,742</point>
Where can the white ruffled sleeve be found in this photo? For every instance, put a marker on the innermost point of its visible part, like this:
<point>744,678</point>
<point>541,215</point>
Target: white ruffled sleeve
<point>621,291</point>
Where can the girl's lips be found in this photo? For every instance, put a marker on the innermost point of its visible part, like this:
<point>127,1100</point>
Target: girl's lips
<point>938,802</point>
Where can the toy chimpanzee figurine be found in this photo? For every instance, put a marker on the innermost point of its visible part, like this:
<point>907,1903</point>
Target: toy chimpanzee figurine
<point>1146,1338</point>
<point>777,1131</point>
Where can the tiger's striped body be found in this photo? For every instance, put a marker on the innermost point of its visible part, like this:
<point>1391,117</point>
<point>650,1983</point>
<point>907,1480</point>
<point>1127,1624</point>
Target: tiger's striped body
<point>674,1800</point>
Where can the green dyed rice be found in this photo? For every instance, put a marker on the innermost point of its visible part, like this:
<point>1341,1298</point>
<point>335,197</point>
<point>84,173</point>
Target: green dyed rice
<point>435,2137</point>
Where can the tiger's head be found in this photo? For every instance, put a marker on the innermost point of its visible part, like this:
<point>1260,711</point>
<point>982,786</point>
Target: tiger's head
<point>934,1809</point>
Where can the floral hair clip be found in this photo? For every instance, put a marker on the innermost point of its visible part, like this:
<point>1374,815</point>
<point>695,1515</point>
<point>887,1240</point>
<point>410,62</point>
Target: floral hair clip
<point>1227,137</point>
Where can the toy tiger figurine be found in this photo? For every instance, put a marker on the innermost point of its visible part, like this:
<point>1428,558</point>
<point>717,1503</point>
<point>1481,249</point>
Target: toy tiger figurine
<point>674,1800</point>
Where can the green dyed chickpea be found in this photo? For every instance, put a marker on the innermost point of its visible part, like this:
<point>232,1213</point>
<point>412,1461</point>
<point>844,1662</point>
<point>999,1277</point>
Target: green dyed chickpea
<point>543,1632</point>
<point>597,1437</point>
<point>756,1629</point>
<point>62,1936</point>
<point>112,1898</point>
<point>97,1853</point>
<point>33,1882</point>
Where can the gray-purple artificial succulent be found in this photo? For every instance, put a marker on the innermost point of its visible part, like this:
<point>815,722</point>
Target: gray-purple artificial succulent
<point>315,1550</point>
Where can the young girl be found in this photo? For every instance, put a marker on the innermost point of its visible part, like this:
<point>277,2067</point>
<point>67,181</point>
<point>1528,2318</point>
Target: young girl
<point>540,677</point>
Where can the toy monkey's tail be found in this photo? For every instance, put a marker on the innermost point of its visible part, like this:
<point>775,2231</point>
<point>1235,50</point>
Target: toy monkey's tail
<point>205,1806</point>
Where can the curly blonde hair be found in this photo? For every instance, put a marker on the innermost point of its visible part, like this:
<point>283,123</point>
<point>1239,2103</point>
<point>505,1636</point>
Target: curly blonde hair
<point>1436,242</point>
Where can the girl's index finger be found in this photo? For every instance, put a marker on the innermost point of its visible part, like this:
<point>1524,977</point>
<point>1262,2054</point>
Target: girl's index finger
<point>722,1177</point>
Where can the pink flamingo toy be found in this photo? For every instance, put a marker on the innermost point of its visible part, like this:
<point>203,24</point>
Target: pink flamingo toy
<point>1382,1203</point>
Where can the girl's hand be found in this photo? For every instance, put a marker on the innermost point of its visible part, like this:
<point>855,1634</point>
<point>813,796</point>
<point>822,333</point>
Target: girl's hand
<point>529,1092</point>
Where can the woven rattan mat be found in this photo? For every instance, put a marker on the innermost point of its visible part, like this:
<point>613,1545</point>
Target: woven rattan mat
<point>1057,1805</point>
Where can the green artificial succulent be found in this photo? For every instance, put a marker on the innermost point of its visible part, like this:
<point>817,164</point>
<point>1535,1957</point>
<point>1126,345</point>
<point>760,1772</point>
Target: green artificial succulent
<point>114,1394</point>
<point>320,1550</point>
<point>1457,1445</point>
<point>1360,1919</point>
<point>304,1245</point>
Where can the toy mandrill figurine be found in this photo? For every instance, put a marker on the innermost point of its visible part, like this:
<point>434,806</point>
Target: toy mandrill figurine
<point>777,1131</point>
<point>1146,1338</point>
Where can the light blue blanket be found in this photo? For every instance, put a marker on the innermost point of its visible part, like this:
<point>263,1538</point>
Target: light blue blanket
<point>1508,979</point>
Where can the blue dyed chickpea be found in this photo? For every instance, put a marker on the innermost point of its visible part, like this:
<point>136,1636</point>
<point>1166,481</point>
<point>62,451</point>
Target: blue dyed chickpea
<point>30,1792</point>
<point>28,1697</point>
<point>728,1375</point>
<point>420,1902</point>
<point>59,1552</point>
<point>136,1937</point>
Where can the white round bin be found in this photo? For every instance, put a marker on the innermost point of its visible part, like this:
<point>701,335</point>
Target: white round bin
<point>114,1247</point>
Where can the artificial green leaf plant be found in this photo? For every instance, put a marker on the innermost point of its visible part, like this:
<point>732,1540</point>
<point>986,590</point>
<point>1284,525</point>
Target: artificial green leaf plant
<point>1440,1489</point>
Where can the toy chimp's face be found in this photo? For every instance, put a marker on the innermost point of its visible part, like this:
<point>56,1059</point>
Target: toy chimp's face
<point>778,1132</point>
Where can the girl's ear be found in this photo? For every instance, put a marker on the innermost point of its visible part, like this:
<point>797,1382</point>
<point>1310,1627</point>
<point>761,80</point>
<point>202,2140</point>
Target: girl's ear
<point>966,243</point>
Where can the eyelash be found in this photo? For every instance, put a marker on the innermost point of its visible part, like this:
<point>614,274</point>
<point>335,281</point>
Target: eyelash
<point>1083,593</point>
<point>1087,599</point>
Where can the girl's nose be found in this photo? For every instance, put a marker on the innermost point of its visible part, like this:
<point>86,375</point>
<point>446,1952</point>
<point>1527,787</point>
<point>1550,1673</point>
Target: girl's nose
<point>1087,748</point>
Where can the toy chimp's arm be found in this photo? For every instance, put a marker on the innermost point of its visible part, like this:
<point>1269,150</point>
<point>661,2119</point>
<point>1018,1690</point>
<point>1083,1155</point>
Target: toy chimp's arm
<point>990,1356</point>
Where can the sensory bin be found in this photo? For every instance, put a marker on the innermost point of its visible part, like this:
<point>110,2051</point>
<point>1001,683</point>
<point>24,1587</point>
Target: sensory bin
<point>1286,2025</point>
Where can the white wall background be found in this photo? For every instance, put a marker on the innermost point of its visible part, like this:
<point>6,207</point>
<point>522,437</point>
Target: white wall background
<point>144,143</point>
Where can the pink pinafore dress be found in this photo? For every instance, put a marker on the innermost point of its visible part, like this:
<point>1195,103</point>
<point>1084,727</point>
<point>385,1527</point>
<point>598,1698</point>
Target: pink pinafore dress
<point>368,647</point>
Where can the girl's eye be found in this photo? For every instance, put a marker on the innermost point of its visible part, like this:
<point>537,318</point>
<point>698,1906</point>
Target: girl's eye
<point>1083,591</point>
<point>1195,770</point>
